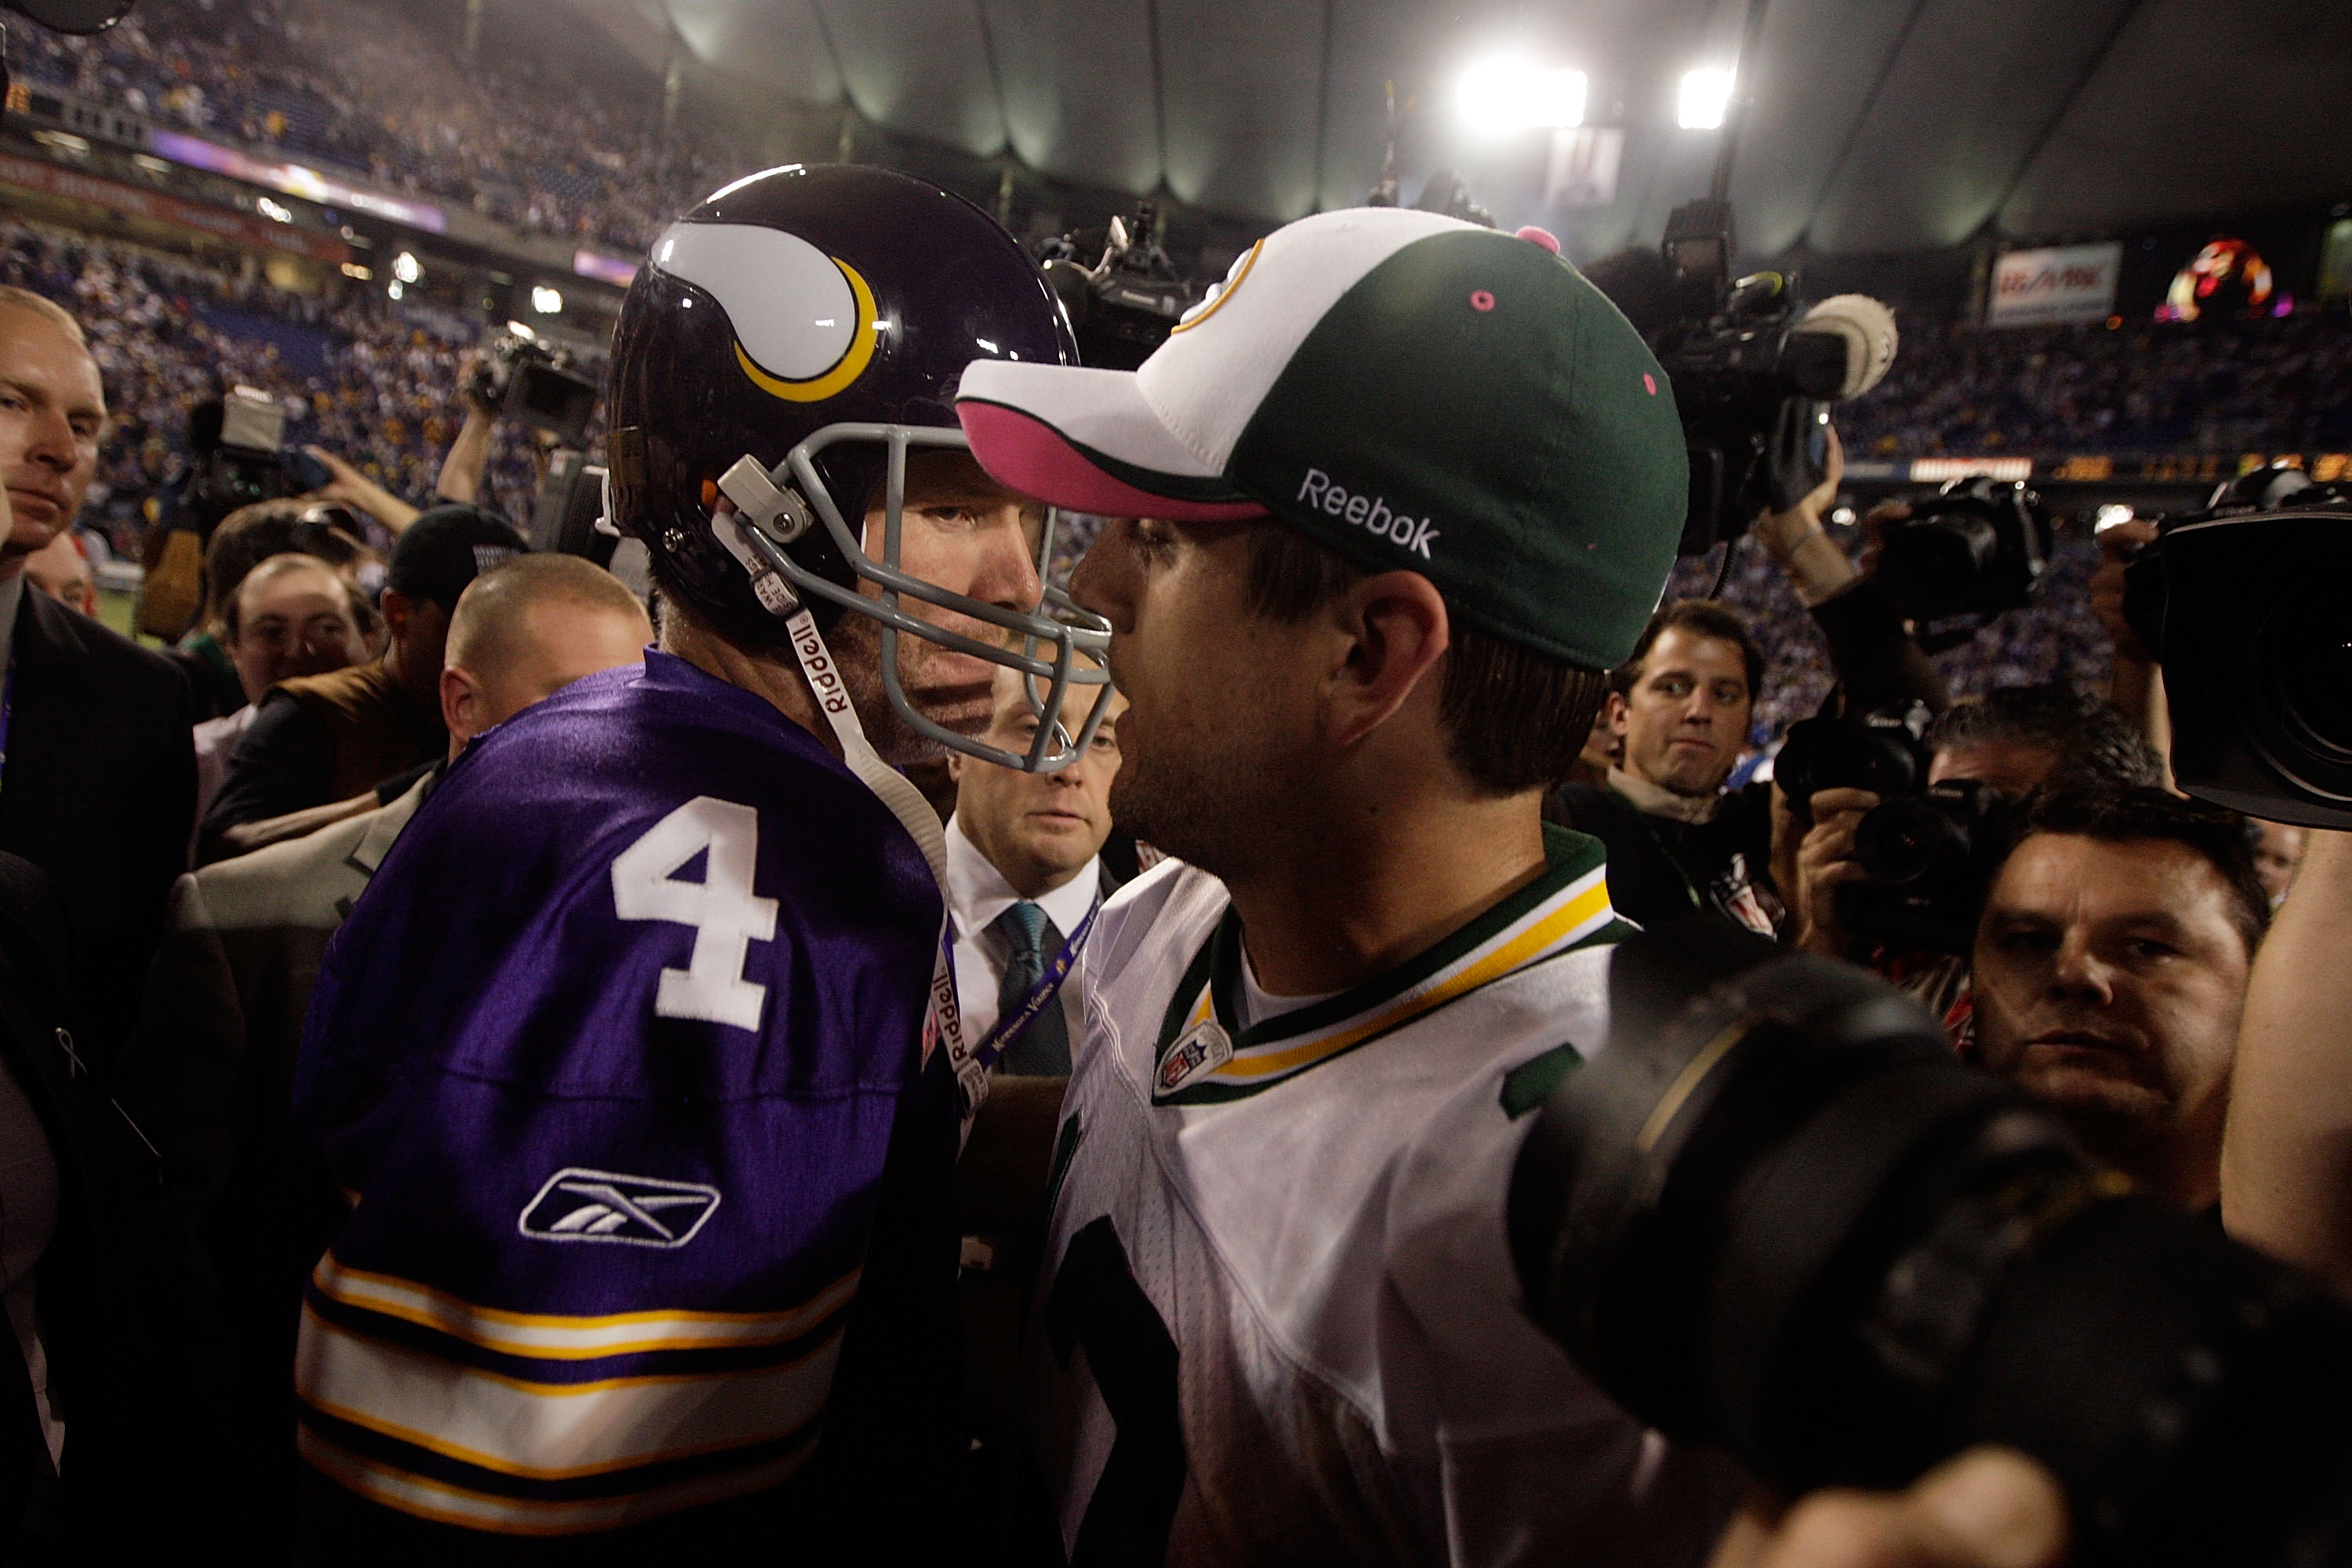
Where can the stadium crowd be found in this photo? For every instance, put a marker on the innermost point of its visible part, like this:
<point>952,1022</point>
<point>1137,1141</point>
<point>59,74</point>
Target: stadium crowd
<point>169,332</point>
<point>402,965</point>
<point>373,89</point>
<point>2122,387</point>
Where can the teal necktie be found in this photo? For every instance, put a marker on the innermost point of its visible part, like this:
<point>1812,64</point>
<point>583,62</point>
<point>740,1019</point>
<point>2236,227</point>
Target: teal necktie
<point>1043,1049</point>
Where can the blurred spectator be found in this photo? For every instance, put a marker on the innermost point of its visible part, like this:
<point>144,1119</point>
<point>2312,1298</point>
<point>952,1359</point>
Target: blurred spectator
<point>2278,853</point>
<point>61,571</point>
<point>97,772</point>
<point>2110,973</point>
<point>326,738</point>
<point>290,616</point>
<point>1677,843</point>
<point>210,1072</point>
<point>245,539</point>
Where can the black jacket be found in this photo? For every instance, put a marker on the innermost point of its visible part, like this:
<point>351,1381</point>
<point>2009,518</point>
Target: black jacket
<point>123,1370</point>
<point>99,790</point>
<point>1661,869</point>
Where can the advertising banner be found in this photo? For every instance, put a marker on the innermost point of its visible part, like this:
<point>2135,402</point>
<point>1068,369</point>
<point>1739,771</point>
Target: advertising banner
<point>25,173</point>
<point>2060,283</point>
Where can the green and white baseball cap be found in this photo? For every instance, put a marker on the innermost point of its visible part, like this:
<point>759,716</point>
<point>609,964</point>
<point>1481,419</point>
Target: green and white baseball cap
<point>1413,392</point>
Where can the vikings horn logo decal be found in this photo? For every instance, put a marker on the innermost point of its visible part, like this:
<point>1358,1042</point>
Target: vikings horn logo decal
<point>804,321</point>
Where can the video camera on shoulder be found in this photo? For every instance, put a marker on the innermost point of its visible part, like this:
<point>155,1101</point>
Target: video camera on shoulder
<point>240,455</point>
<point>1125,304</point>
<point>1973,550</point>
<point>2244,603</point>
<point>520,375</point>
<point>1754,375</point>
<point>1927,851</point>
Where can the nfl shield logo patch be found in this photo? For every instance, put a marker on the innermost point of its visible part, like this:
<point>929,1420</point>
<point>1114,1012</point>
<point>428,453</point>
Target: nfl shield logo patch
<point>580,1205</point>
<point>1202,1049</point>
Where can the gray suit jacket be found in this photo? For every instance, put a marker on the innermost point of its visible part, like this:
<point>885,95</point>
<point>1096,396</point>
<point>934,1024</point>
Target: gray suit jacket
<point>209,1075</point>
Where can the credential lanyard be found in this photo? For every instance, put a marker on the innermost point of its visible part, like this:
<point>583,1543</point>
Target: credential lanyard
<point>943,1025</point>
<point>1048,987</point>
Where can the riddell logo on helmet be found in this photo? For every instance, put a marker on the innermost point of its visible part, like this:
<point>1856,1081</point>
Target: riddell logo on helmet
<point>1370,513</point>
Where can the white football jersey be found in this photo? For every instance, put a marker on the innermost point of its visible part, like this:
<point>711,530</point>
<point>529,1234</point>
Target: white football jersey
<point>1279,1319</point>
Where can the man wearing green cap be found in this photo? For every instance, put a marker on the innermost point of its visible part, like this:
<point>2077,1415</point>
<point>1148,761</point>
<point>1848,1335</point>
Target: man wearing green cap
<point>1390,502</point>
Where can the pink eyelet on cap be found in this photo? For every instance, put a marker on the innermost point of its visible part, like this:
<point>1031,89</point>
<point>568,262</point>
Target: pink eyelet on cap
<point>1481,300</point>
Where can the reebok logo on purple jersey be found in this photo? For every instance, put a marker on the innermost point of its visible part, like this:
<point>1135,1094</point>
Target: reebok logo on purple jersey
<point>580,1205</point>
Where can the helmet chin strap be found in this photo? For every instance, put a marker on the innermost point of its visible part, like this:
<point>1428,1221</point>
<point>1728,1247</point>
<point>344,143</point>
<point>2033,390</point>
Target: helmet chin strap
<point>893,788</point>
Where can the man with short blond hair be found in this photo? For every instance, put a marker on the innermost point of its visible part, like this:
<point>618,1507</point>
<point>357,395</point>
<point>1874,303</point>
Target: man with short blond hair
<point>208,1075</point>
<point>98,786</point>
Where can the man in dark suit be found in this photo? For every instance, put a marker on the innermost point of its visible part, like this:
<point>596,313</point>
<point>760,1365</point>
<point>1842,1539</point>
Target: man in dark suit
<point>1025,873</point>
<point>98,770</point>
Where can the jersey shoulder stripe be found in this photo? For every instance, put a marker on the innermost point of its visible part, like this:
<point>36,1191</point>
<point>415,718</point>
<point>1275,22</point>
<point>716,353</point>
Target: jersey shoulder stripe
<point>1205,1054</point>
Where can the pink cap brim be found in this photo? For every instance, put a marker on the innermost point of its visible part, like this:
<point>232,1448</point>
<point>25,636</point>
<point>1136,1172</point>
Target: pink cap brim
<point>1024,453</point>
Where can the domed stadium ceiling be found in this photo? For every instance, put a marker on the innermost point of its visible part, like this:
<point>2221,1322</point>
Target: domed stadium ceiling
<point>1877,125</point>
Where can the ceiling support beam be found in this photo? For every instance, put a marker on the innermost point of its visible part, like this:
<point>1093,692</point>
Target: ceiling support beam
<point>1322,107</point>
<point>2090,67</point>
<point>996,76</point>
<point>1861,118</point>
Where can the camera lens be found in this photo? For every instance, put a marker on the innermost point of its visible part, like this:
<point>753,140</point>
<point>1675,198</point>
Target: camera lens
<point>1904,841</point>
<point>2305,656</point>
<point>1933,564</point>
<point>1774,1214</point>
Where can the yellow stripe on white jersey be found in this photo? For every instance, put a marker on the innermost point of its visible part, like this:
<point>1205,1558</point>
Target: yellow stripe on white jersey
<point>1206,1054</point>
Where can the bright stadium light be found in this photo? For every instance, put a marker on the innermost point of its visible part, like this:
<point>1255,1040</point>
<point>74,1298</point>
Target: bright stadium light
<point>275,212</point>
<point>1706,98</point>
<point>394,289</point>
<point>408,269</point>
<point>546,301</point>
<point>1497,97</point>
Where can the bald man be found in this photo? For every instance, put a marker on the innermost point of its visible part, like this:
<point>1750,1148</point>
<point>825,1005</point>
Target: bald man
<point>209,1073</point>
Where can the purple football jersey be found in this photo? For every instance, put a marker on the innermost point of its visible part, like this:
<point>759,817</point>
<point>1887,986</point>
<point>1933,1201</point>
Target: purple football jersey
<point>610,1057</point>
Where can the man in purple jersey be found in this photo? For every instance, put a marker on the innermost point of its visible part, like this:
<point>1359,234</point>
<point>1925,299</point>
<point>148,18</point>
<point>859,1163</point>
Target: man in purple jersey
<point>638,1058</point>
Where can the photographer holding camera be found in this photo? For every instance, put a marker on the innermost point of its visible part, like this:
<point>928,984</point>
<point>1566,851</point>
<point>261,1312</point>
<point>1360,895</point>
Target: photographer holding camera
<point>1996,748</point>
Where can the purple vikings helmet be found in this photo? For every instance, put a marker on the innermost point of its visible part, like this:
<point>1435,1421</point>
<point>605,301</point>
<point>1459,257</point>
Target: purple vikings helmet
<point>784,344</point>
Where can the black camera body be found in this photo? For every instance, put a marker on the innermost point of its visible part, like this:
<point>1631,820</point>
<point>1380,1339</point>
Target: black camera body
<point>1884,752</point>
<point>1124,305</point>
<point>518,377</point>
<point>1974,549</point>
<point>2244,603</point>
<point>1775,1215</point>
<point>1928,860</point>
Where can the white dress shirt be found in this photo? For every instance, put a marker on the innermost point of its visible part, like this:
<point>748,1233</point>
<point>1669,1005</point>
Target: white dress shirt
<point>977,894</point>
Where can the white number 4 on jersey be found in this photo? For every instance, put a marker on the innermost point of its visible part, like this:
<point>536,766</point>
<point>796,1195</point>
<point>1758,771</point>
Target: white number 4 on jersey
<point>726,914</point>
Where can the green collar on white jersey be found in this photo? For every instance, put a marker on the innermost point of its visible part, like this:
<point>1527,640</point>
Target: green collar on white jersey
<point>1205,1055</point>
